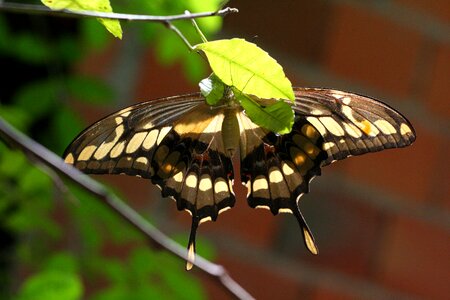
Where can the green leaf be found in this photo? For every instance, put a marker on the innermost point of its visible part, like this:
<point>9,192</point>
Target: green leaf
<point>112,26</point>
<point>248,68</point>
<point>52,285</point>
<point>212,88</point>
<point>277,117</point>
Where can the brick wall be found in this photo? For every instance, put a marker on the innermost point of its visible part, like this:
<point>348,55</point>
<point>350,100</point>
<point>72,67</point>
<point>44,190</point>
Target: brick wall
<point>382,221</point>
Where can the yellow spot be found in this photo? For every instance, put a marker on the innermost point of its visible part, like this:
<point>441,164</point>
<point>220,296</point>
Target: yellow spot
<point>220,186</point>
<point>117,150</point>
<point>260,183</point>
<point>191,180</point>
<point>366,127</point>
<point>141,163</point>
<point>205,183</point>
<point>191,257</point>
<point>262,207</point>
<point>316,123</point>
<point>310,242</point>
<point>385,127</point>
<point>352,130</point>
<point>136,141</point>
<point>316,112</point>
<point>87,153</point>
<point>346,100</point>
<point>224,209</point>
<point>332,126</point>
<point>328,145</point>
<point>69,159</point>
<point>166,167</point>
<point>150,140</point>
<point>118,120</point>
<point>275,176</point>
<point>311,150</point>
<point>178,177</point>
<point>162,134</point>
<point>404,129</point>
<point>310,132</point>
<point>148,125</point>
<point>205,219</point>
<point>285,210</point>
<point>298,157</point>
<point>287,170</point>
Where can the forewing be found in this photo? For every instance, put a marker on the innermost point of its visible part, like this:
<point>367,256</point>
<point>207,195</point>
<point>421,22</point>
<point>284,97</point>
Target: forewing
<point>352,124</point>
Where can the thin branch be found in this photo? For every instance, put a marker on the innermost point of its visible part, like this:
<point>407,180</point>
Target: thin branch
<point>40,153</point>
<point>40,9</point>
<point>175,29</point>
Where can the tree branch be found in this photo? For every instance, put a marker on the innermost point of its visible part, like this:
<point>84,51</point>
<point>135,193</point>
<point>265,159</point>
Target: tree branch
<point>40,9</point>
<point>40,153</point>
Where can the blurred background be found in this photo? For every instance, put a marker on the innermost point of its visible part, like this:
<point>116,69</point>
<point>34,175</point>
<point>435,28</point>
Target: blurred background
<point>382,221</point>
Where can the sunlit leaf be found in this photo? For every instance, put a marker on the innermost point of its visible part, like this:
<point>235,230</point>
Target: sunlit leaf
<point>277,117</point>
<point>248,68</point>
<point>112,26</point>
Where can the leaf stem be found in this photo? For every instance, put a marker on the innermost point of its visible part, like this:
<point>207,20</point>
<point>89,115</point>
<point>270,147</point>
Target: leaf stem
<point>180,35</point>
<point>194,23</point>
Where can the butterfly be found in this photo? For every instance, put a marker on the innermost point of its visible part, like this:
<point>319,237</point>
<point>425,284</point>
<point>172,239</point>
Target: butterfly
<point>186,148</point>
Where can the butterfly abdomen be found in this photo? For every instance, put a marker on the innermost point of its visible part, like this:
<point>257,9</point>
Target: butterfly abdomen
<point>230,131</point>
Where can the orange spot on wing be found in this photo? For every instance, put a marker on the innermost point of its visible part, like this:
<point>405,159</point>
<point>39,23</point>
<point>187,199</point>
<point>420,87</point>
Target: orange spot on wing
<point>367,127</point>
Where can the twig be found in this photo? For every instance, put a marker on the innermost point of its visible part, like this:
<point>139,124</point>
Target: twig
<point>50,159</point>
<point>40,9</point>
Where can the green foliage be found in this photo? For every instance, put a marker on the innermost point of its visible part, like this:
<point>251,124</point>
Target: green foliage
<point>277,116</point>
<point>248,68</point>
<point>52,285</point>
<point>112,26</point>
<point>212,88</point>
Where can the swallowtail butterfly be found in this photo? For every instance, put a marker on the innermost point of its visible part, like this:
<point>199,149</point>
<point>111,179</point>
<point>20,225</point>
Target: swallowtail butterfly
<point>185,147</point>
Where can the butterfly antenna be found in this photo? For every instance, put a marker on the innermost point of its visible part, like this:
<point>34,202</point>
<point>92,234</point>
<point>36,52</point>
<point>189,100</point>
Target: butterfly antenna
<point>307,234</point>
<point>191,244</point>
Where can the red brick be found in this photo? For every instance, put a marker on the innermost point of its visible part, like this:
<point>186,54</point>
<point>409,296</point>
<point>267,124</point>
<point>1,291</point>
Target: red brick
<point>438,8</point>
<point>416,258</point>
<point>326,294</point>
<point>155,81</point>
<point>349,234</point>
<point>365,47</point>
<point>407,171</point>
<point>437,96</point>
<point>256,226</point>
<point>259,281</point>
<point>97,63</point>
<point>294,27</point>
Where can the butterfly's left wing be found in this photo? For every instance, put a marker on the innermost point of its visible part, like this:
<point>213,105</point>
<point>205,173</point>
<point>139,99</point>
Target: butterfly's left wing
<point>329,125</point>
<point>176,142</point>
